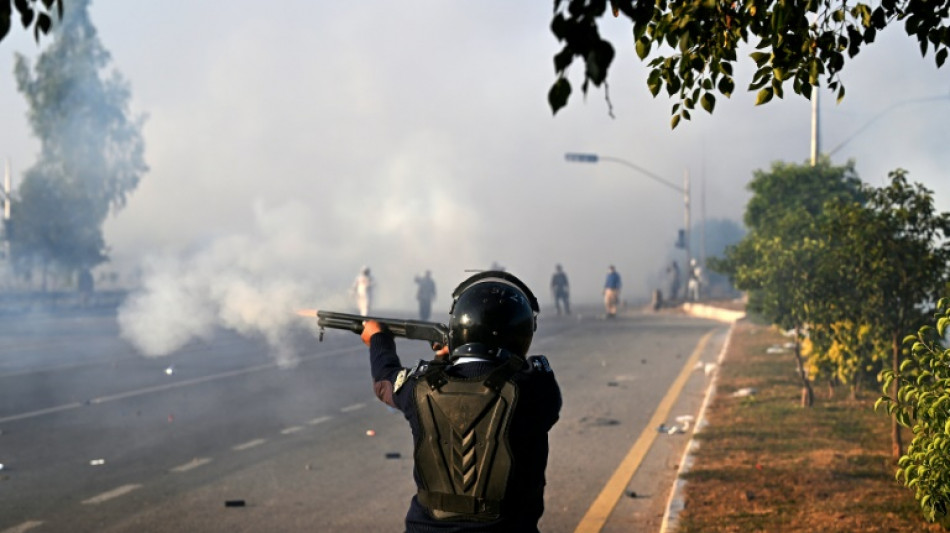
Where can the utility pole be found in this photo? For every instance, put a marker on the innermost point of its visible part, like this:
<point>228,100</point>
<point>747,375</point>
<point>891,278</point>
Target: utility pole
<point>815,135</point>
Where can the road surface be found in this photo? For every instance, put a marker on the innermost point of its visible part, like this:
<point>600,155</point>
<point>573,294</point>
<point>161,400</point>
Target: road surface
<point>220,437</point>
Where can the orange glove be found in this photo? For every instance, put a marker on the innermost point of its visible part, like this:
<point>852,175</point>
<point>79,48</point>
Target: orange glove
<point>442,353</point>
<point>370,328</point>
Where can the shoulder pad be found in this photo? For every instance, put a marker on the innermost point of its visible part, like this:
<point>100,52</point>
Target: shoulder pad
<point>406,373</point>
<point>539,363</point>
<point>420,368</point>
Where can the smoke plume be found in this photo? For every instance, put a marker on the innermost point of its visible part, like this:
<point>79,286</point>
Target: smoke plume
<point>249,283</point>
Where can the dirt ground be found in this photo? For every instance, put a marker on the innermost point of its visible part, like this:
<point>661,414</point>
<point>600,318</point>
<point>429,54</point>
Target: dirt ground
<point>765,463</point>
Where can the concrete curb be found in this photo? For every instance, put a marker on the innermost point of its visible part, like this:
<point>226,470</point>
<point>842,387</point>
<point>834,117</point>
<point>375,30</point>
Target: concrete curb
<point>713,313</point>
<point>675,504</point>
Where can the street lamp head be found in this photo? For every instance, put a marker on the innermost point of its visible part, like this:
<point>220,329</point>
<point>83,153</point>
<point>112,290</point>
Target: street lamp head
<point>581,158</point>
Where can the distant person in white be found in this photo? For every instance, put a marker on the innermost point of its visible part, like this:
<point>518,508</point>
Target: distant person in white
<point>695,281</point>
<point>362,290</point>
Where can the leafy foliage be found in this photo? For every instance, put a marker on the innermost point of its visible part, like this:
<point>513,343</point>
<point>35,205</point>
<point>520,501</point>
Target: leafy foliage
<point>784,248</point>
<point>38,13</point>
<point>804,42</point>
<point>922,403</point>
<point>845,352</point>
<point>92,152</point>
<point>779,259</point>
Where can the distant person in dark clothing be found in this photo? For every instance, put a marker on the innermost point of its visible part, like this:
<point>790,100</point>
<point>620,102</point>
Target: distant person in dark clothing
<point>612,286</point>
<point>425,293</point>
<point>479,413</point>
<point>673,273</point>
<point>561,290</point>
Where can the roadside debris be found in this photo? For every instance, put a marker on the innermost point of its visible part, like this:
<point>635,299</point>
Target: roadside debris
<point>709,368</point>
<point>234,503</point>
<point>370,433</point>
<point>97,462</point>
<point>631,494</point>
<point>685,420</point>
<point>612,384</point>
<point>1,466</point>
<point>775,348</point>
<point>393,455</point>
<point>743,392</point>
<point>170,370</point>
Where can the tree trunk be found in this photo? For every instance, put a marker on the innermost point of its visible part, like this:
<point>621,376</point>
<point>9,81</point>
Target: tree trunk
<point>808,395</point>
<point>897,446</point>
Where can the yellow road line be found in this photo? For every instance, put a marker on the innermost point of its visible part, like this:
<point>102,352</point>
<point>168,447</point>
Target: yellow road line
<point>600,510</point>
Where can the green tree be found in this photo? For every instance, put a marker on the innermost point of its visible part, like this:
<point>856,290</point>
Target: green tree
<point>896,266</point>
<point>804,42</point>
<point>91,153</point>
<point>35,13</point>
<point>922,403</point>
<point>778,259</point>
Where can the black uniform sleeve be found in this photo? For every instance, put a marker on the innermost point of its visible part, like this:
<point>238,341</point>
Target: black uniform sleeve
<point>384,365</point>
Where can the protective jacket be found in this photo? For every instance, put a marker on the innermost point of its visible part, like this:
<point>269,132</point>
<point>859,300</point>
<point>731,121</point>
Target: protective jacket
<point>480,437</point>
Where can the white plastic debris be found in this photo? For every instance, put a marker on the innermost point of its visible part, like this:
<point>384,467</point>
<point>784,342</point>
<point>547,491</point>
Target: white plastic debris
<point>1,466</point>
<point>97,462</point>
<point>775,349</point>
<point>709,368</point>
<point>699,365</point>
<point>170,370</point>
<point>686,420</point>
<point>743,392</point>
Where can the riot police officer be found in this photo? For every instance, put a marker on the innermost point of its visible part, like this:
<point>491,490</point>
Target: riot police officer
<point>479,413</point>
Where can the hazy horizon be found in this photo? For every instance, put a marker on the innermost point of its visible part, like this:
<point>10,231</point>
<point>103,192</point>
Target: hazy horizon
<point>288,148</point>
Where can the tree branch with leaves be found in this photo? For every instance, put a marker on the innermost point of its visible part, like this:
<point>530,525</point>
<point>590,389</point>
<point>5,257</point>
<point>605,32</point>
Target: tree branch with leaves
<point>802,42</point>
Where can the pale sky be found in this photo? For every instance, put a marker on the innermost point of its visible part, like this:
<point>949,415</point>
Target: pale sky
<point>417,135</point>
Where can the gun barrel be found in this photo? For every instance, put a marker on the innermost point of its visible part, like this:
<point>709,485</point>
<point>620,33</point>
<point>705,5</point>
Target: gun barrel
<point>435,333</point>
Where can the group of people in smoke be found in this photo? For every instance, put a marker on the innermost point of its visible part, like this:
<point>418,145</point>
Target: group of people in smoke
<point>364,284</point>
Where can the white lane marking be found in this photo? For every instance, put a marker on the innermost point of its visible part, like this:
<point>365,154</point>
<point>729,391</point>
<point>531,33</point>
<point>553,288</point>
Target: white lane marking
<point>319,420</point>
<point>169,386</point>
<point>353,407</point>
<point>292,429</point>
<point>114,493</point>
<point>249,444</point>
<point>41,412</point>
<point>190,465</point>
<point>25,526</point>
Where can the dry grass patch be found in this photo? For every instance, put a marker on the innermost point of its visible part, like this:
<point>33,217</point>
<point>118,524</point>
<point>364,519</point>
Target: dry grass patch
<point>766,464</point>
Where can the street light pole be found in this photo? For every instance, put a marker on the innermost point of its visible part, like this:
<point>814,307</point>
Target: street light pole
<point>575,157</point>
<point>816,127</point>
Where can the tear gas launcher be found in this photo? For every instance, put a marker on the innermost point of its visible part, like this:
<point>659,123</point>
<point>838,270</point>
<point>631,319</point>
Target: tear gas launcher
<point>437,334</point>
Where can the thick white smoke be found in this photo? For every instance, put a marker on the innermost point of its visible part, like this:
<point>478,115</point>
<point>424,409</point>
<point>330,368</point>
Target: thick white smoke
<point>251,283</point>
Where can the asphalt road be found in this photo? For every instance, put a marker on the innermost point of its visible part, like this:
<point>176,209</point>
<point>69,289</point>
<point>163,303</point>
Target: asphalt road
<point>96,438</point>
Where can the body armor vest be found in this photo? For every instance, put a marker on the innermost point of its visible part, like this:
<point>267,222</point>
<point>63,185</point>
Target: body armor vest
<point>463,457</point>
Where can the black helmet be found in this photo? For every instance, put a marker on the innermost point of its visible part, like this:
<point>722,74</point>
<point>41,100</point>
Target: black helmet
<point>491,311</point>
